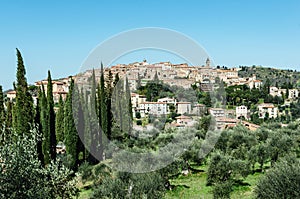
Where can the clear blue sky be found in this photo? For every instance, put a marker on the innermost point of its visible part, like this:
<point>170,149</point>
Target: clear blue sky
<point>58,35</point>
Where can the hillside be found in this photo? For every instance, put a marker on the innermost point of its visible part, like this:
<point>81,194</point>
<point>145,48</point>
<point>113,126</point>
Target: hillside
<point>276,76</point>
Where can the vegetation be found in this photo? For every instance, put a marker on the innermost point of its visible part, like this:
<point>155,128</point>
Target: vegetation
<point>95,124</point>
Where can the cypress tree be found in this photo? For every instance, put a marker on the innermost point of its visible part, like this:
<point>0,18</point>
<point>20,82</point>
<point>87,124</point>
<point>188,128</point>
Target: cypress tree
<point>9,115</point>
<point>94,131</point>
<point>70,133</point>
<point>59,124</point>
<point>45,125</point>
<point>128,98</point>
<point>102,102</point>
<point>2,110</point>
<point>24,103</point>
<point>38,126</point>
<point>108,104</point>
<point>51,118</point>
<point>116,80</point>
<point>79,123</point>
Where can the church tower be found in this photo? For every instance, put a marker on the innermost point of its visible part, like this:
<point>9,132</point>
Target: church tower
<point>207,62</point>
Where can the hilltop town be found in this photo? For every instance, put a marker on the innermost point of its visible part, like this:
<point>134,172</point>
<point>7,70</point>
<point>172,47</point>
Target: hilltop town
<point>179,112</point>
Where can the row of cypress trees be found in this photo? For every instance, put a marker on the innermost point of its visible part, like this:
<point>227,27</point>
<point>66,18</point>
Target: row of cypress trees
<point>80,113</point>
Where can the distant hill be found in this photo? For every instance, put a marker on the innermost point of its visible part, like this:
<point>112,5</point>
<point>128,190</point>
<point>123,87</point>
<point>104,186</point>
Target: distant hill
<point>276,76</point>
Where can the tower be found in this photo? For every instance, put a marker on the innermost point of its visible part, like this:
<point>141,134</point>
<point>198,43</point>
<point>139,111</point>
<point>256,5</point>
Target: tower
<point>207,62</point>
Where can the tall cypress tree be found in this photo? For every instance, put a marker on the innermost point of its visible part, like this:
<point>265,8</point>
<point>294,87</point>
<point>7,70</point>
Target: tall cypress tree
<point>2,110</point>
<point>9,115</point>
<point>38,126</point>
<point>51,118</point>
<point>94,130</point>
<point>45,125</point>
<point>59,124</point>
<point>128,98</point>
<point>24,104</point>
<point>70,133</point>
<point>102,109</point>
<point>108,104</point>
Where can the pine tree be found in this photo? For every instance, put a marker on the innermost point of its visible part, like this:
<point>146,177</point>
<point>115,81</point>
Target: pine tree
<point>59,124</point>
<point>51,118</point>
<point>2,110</point>
<point>23,117</point>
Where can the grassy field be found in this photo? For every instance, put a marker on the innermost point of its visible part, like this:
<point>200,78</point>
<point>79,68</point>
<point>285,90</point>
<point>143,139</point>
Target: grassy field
<point>193,186</point>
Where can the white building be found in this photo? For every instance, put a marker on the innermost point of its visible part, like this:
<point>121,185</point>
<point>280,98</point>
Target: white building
<point>293,93</point>
<point>269,108</point>
<point>241,111</point>
<point>136,100</point>
<point>184,107</point>
<point>217,112</point>
<point>154,108</point>
<point>274,91</point>
<point>168,100</point>
<point>11,95</point>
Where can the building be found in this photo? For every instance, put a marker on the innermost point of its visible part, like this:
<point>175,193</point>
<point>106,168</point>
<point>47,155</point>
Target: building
<point>168,100</point>
<point>293,93</point>
<point>11,95</point>
<point>267,109</point>
<point>224,123</point>
<point>184,120</point>
<point>136,100</point>
<point>199,109</point>
<point>217,112</point>
<point>154,108</point>
<point>241,111</point>
<point>59,88</point>
<point>184,107</point>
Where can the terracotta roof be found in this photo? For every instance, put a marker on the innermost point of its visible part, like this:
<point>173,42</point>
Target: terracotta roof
<point>11,92</point>
<point>183,117</point>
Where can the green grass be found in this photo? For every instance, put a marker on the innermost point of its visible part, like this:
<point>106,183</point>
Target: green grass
<point>194,186</point>
<point>85,194</point>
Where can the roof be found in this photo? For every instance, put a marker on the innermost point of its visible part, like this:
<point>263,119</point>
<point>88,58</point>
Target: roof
<point>11,92</point>
<point>267,105</point>
<point>183,117</point>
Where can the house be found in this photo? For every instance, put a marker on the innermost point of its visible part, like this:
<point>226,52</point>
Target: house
<point>11,95</point>
<point>217,112</point>
<point>293,93</point>
<point>136,100</point>
<point>183,120</point>
<point>250,126</point>
<point>274,91</point>
<point>59,88</point>
<point>267,109</point>
<point>184,107</point>
<point>224,122</point>
<point>199,109</point>
<point>154,108</point>
<point>241,111</point>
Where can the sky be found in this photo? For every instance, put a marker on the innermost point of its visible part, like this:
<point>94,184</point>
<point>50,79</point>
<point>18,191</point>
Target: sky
<point>59,35</point>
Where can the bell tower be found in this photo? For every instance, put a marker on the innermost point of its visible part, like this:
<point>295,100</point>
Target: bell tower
<point>207,62</point>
